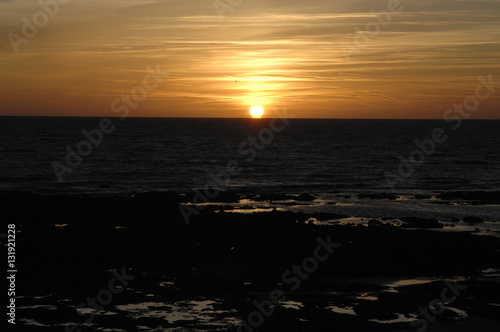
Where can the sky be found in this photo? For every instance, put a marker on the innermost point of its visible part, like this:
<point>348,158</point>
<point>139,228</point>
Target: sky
<point>405,59</point>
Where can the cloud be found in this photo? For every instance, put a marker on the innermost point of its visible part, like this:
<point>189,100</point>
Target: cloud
<point>280,51</point>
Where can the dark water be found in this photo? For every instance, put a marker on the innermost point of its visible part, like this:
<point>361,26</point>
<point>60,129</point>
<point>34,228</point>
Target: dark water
<point>316,156</point>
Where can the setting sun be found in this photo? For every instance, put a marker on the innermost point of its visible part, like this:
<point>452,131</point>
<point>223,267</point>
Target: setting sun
<point>256,112</point>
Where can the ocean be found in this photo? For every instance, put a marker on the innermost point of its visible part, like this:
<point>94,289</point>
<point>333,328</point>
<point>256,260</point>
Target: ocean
<point>307,156</point>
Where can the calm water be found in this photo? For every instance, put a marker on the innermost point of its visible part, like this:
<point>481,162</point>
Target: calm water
<point>315,156</point>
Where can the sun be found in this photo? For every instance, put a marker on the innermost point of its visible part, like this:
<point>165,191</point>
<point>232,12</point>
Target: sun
<point>256,112</point>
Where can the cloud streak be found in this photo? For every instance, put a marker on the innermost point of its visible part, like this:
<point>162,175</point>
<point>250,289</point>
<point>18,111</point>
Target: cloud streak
<point>280,52</point>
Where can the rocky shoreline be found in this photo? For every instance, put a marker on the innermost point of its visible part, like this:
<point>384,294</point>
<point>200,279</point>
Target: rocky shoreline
<point>210,271</point>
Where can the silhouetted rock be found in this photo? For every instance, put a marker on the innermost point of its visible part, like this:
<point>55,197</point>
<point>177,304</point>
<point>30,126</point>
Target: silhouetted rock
<point>422,196</point>
<point>452,315</point>
<point>273,197</point>
<point>473,220</point>
<point>228,197</point>
<point>305,198</point>
<point>474,197</point>
<point>375,222</point>
<point>326,216</point>
<point>414,222</point>
<point>221,197</point>
<point>232,256</point>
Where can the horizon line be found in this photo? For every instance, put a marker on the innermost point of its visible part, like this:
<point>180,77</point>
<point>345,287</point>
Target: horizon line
<point>246,118</point>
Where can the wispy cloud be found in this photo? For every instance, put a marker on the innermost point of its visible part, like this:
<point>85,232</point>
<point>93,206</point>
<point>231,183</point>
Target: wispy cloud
<point>278,52</point>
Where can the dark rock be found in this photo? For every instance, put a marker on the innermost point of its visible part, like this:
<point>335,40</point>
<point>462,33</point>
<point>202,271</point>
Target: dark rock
<point>422,196</point>
<point>272,197</point>
<point>228,197</point>
<point>454,219</point>
<point>486,196</point>
<point>375,222</point>
<point>157,246</point>
<point>222,197</point>
<point>414,222</point>
<point>473,220</point>
<point>325,216</point>
<point>452,315</point>
<point>305,198</point>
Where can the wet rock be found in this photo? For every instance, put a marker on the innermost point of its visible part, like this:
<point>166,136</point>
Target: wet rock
<point>375,222</point>
<point>422,197</point>
<point>305,198</point>
<point>452,314</point>
<point>326,216</point>
<point>222,197</point>
<point>415,222</point>
<point>481,197</point>
<point>228,197</point>
<point>473,220</point>
<point>271,197</point>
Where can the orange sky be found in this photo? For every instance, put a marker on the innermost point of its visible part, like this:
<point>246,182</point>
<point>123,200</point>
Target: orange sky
<point>295,53</point>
